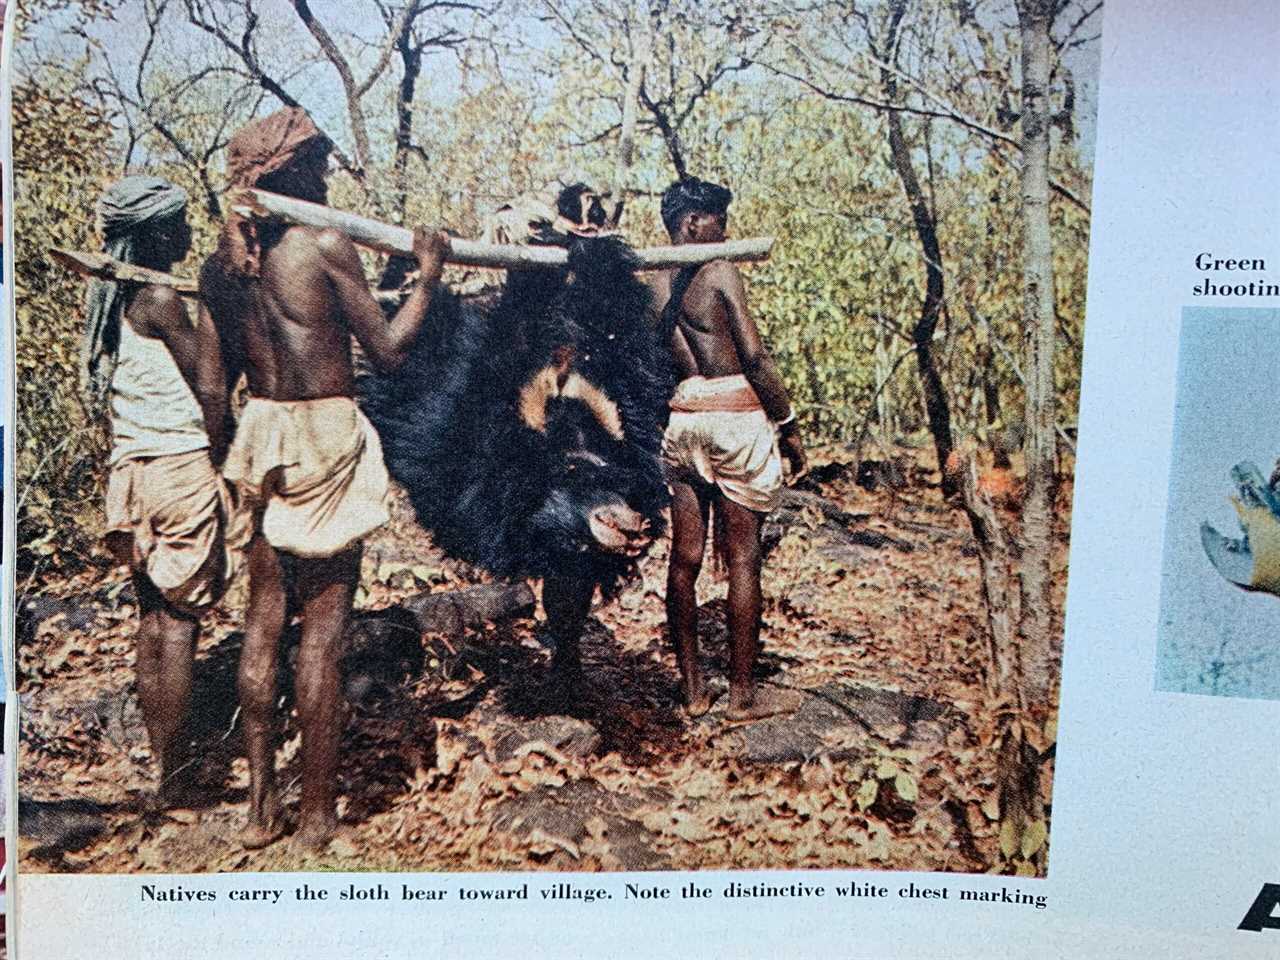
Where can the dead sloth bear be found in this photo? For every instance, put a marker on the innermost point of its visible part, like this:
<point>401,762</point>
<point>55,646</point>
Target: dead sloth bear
<point>528,434</point>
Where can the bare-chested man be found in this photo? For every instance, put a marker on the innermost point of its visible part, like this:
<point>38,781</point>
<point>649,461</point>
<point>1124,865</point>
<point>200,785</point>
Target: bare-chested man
<point>729,416</point>
<point>286,301</point>
<point>167,508</point>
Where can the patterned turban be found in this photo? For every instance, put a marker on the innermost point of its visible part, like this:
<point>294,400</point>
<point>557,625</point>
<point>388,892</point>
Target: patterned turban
<point>126,210</point>
<point>258,150</point>
<point>270,144</point>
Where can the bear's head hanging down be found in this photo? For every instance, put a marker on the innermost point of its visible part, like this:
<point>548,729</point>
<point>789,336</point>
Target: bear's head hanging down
<point>527,430</point>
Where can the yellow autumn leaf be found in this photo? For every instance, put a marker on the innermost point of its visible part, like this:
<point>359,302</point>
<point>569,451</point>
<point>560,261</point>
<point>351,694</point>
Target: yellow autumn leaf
<point>906,787</point>
<point>991,807</point>
<point>867,793</point>
<point>1008,838</point>
<point>1033,837</point>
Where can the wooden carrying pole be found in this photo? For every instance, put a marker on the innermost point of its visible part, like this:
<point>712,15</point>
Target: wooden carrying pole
<point>102,267</point>
<point>105,268</point>
<point>470,253</point>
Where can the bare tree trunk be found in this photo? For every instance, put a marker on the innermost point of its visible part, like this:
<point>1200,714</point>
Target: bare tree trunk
<point>670,136</point>
<point>1035,623</point>
<point>411,61</point>
<point>885,412</point>
<point>355,110</point>
<point>242,44</point>
<point>935,397</point>
<point>815,386</point>
<point>353,89</point>
<point>1020,676</point>
<point>641,51</point>
<point>985,356</point>
<point>994,553</point>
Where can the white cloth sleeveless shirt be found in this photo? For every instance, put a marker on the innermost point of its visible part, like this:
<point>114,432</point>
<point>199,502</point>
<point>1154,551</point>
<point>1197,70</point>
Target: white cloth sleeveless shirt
<point>153,411</point>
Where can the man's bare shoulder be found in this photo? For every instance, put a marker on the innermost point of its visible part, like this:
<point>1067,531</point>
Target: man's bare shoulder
<point>155,296</point>
<point>718,277</point>
<point>334,245</point>
<point>721,273</point>
<point>158,309</point>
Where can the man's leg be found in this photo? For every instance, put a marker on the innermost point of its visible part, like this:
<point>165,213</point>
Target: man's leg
<point>326,590</point>
<point>742,526</point>
<point>567,602</point>
<point>264,622</point>
<point>165,651</point>
<point>688,540</point>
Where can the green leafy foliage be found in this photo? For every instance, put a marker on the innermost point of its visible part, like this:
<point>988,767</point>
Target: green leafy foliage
<point>59,166</point>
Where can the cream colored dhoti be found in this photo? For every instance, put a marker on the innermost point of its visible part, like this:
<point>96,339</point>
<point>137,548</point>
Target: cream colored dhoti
<point>313,469</point>
<point>176,519</point>
<point>718,433</point>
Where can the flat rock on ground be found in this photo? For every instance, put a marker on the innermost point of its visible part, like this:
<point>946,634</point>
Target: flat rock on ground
<point>566,816</point>
<point>835,721</point>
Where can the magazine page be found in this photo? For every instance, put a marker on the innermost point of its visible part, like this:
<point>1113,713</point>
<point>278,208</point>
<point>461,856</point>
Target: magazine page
<point>603,477</point>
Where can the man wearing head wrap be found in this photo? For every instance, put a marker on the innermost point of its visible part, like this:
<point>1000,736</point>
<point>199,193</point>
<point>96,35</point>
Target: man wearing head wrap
<point>729,415</point>
<point>286,301</point>
<point>167,509</point>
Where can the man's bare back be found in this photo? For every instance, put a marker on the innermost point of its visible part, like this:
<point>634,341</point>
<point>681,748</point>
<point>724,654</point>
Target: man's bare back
<point>290,329</point>
<point>715,336</point>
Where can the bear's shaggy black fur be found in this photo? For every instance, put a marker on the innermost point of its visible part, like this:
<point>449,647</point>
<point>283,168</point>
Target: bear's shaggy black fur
<point>492,489</point>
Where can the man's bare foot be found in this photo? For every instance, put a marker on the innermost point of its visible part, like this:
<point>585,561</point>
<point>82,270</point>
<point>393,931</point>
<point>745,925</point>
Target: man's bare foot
<point>265,825</point>
<point>315,832</point>
<point>698,703</point>
<point>762,702</point>
<point>255,836</point>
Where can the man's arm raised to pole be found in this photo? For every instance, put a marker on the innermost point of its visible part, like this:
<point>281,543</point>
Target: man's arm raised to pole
<point>387,344</point>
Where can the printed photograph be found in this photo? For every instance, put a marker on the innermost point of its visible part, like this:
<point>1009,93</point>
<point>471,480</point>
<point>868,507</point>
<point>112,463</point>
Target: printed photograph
<point>529,435</point>
<point>1220,589</point>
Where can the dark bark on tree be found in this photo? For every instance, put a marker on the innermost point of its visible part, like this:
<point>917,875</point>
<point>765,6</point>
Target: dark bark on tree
<point>986,365</point>
<point>411,62</point>
<point>991,402</point>
<point>994,554</point>
<point>935,397</point>
<point>354,90</point>
<point>815,387</point>
<point>670,136</point>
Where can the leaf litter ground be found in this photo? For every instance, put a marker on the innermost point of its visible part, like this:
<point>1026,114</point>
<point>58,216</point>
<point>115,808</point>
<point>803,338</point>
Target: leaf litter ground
<point>456,757</point>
